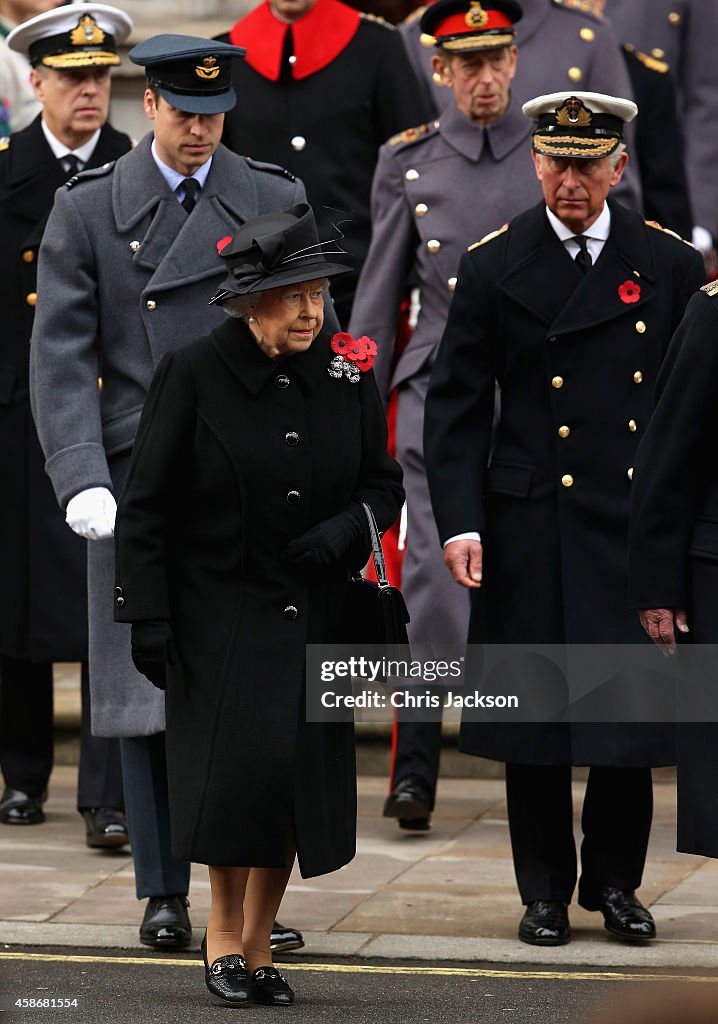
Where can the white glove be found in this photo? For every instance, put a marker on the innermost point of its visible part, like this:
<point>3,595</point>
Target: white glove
<point>91,513</point>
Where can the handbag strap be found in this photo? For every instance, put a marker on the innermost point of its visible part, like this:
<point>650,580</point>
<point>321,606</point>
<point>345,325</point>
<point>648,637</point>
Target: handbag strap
<point>376,548</point>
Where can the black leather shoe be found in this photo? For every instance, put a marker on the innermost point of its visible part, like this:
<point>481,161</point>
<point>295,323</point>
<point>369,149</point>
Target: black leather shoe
<point>270,988</point>
<point>106,828</point>
<point>623,913</point>
<point>410,802</point>
<point>284,939</point>
<point>17,808</point>
<point>166,923</point>
<point>545,923</point>
<point>227,979</point>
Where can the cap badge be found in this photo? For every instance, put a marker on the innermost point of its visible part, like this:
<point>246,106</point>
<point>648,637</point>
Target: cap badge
<point>476,16</point>
<point>208,69</point>
<point>573,114</point>
<point>87,32</point>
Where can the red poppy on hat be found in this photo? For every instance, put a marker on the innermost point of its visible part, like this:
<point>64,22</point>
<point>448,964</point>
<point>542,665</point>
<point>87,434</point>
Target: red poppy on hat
<point>629,291</point>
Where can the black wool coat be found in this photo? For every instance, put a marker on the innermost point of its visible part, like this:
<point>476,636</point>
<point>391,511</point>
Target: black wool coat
<point>674,540</point>
<point>43,604</point>
<point>218,486</point>
<point>576,366</point>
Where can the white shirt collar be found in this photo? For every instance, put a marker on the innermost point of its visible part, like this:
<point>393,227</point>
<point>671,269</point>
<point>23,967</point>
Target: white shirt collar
<point>59,149</point>
<point>599,230</point>
<point>173,178</point>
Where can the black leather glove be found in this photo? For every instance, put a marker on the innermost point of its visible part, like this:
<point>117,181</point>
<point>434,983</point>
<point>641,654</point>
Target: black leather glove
<point>325,544</point>
<point>152,648</point>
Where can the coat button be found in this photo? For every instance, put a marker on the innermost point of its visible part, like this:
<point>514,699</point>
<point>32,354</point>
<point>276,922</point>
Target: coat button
<point>151,305</point>
<point>552,339</point>
<point>31,298</point>
<point>433,245</point>
<point>637,377</point>
<point>412,174</point>
<point>587,34</point>
<point>557,382</point>
<point>28,256</point>
<point>641,327</point>
<point>674,18</point>
<point>290,612</point>
<point>293,497</point>
<point>567,480</point>
<point>120,602</point>
<point>298,143</point>
<point>629,474</point>
<point>632,426</point>
<point>291,438</point>
<point>421,209</point>
<point>282,381</point>
<point>564,431</point>
<point>134,246</point>
<point>575,74</point>
<point>452,284</point>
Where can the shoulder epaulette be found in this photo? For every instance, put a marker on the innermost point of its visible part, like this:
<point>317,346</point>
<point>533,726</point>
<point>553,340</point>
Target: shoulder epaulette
<point>487,238</point>
<point>4,143</point>
<point>590,7</point>
<point>412,134</point>
<point>711,288</point>
<point>652,63</point>
<point>259,165</point>
<point>377,18</point>
<point>667,231</point>
<point>414,16</point>
<point>88,175</point>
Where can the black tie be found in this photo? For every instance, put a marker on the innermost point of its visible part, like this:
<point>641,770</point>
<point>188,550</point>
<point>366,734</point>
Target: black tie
<point>70,163</point>
<point>191,191</point>
<point>583,256</point>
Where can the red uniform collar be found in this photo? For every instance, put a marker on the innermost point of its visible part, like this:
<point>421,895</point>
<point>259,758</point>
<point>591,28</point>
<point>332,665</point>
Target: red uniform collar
<point>319,37</point>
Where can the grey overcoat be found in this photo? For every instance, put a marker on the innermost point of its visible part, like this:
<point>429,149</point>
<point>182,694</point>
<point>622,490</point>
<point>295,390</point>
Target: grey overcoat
<point>124,276</point>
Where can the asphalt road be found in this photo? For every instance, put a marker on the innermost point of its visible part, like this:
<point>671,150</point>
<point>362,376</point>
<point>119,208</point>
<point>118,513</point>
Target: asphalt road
<point>142,989</point>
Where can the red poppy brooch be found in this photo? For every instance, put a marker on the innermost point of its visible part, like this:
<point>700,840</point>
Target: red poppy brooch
<point>629,291</point>
<point>353,356</point>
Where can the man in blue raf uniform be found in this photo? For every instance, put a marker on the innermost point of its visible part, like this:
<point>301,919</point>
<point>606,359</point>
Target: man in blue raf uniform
<point>43,587</point>
<point>144,235</point>
<point>570,309</point>
<point>437,188</point>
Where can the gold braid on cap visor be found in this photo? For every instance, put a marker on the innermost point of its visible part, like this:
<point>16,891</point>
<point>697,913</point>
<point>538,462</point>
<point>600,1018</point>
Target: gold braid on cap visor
<point>482,42</point>
<point>80,59</point>
<point>571,145</point>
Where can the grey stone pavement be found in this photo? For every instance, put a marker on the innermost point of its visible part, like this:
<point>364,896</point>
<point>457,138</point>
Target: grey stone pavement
<point>448,894</point>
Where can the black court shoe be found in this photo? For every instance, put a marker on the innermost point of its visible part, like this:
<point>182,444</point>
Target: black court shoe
<point>270,988</point>
<point>227,979</point>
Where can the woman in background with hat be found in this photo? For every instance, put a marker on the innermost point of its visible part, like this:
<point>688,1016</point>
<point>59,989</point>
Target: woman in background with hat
<point>238,525</point>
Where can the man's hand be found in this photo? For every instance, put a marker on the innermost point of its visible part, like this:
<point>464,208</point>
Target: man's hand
<point>464,560</point>
<point>661,624</point>
<point>91,513</point>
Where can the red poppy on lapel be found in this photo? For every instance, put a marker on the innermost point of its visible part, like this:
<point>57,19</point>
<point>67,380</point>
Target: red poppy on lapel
<point>222,242</point>
<point>629,291</point>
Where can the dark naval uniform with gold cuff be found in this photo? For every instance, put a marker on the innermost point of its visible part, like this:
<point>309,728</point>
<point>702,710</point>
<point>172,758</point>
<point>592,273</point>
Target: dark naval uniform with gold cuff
<point>319,97</point>
<point>576,357</point>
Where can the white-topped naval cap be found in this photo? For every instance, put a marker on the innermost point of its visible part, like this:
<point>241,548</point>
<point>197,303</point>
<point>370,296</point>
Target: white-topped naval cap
<point>73,36</point>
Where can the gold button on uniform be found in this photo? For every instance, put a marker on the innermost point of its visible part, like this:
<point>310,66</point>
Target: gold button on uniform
<point>641,327</point>
<point>632,426</point>
<point>557,382</point>
<point>564,431</point>
<point>637,377</point>
<point>151,305</point>
<point>674,18</point>
<point>31,299</point>
<point>421,209</point>
<point>411,174</point>
<point>587,34</point>
<point>629,474</point>
<point>451,283</point>
<point>567,480</point>
<point>28,256</point>
<point>134,246</point>
<point>658,53</point>
<point>575,74</point>
<point>433,245</point>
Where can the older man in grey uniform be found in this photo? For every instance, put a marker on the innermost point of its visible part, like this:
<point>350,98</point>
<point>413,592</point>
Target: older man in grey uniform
<point>683,33</point>
<point>128,263</point>
<point>436,189</point>
<point>564,43</point>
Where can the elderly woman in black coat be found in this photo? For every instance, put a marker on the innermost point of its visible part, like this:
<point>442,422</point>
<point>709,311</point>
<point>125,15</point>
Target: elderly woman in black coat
<point>238,528</point>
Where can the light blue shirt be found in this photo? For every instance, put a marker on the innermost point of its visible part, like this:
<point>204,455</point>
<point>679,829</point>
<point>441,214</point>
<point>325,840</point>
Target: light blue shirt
<point>175,180</point>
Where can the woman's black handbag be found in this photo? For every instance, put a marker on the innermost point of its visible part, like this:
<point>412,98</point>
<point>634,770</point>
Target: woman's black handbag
<point>378,610</point>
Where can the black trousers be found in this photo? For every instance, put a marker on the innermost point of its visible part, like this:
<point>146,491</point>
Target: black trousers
<point>26,738</point>
<point>416,753</point>
<point>616,823</point>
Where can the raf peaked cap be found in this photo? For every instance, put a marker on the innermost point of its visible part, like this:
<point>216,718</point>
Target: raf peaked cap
<point>275,250</point>
<point>191,73</point>
<point>579,124</point>
<point>461,26</point>
<point>75,36</point>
